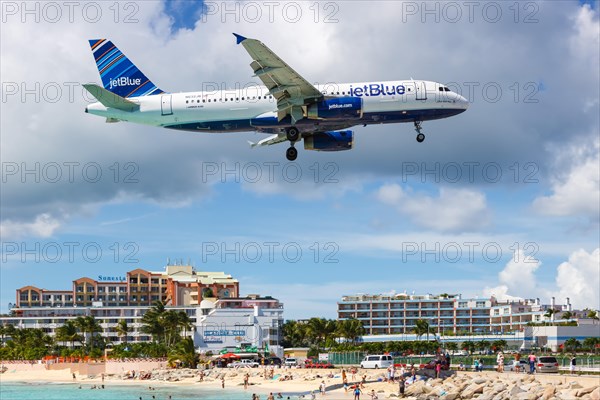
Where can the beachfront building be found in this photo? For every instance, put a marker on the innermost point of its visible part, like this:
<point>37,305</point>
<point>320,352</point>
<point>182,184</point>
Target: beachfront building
<point>221,318</point>
<point>176,285</point>
<point>238,323</point>
<point>398,313</point>
<point>393,314</point>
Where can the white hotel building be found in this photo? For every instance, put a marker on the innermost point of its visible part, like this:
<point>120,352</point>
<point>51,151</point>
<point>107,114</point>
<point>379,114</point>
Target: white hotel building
<point>392,314</point>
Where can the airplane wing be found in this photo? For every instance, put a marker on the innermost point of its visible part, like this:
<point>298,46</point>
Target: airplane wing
<point>290,89</point>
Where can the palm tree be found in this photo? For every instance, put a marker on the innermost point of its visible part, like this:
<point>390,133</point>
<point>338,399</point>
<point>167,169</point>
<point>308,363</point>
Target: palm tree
<point>122,330</point>
<point>550,313</point>
<point>592,314</point>
<point>421,328</point>
<point>452,346</point>
<point>185,322</point>
<point>567,315</point>
<point>572,343</point>
<point>317,330</point>
<point>591,343</point>
<point>68,333</point>
<point>152,321</point>
<point>185,352</point>
<point>350,329</point>
<point>88,324</point>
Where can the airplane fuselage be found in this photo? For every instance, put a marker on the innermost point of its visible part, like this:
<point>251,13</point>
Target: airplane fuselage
<point>254,109</point>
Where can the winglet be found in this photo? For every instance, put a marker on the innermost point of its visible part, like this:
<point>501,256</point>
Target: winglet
<point>252,144</point>
<point>239,38</point>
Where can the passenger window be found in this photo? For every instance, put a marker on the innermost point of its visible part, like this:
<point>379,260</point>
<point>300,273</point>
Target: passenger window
<point>187,101</point>
<point>203,100</point>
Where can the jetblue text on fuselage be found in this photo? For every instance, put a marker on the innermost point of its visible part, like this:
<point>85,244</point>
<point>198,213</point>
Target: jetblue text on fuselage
<point>124,81</point>
<point>377,89</point>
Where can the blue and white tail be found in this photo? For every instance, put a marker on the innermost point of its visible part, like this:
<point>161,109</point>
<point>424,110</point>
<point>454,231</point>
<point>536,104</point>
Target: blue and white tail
<point>119,75</point>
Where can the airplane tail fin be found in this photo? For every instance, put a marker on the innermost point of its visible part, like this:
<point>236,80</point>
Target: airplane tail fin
<point>119,75</point>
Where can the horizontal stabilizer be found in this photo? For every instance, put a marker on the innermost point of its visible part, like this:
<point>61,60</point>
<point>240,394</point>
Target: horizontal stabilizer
<point>111,100</point>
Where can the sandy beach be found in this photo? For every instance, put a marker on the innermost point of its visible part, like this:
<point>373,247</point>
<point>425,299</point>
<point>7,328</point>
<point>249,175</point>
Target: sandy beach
<point>460,385</point>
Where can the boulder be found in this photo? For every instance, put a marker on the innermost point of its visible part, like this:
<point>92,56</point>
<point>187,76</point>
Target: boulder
<point>584,391</point>
<point>451,396</point>
<point>471,390</point>
<point>548,392</point>
<point>415,388</point>
<point>515,391</point>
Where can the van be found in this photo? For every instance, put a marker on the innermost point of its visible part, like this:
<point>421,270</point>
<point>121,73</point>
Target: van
<point>377,361</point>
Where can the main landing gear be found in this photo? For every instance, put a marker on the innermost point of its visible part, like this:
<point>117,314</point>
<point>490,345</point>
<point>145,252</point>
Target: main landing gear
<point>293,135</point>
<point>420,135</point>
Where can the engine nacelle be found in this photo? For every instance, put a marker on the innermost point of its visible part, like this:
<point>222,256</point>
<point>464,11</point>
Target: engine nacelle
<point>329,141</point>
<point>336,108</point>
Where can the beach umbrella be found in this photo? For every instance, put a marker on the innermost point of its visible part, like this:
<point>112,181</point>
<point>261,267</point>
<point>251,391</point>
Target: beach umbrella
<point>230,355</point>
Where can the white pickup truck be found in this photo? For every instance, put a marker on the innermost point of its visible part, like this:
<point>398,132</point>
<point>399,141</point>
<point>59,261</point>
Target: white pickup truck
<point>243,364</point>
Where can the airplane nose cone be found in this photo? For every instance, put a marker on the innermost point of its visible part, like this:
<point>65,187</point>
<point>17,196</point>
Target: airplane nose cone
<point>464,103</point>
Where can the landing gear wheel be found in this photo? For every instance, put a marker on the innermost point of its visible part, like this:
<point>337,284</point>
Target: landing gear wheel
<point>292,134</point>
<point>291,154</point>
<point>418,128</point>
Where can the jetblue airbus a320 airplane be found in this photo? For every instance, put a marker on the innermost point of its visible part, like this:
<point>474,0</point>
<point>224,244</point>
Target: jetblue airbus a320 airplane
<point>288,107</point>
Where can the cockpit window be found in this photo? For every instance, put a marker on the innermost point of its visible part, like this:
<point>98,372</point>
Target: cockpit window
<point>444,89</point>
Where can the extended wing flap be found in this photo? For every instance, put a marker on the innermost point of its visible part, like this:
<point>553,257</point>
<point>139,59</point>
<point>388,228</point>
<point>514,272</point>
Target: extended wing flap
<point>109,99</point>
<point>289,88</point>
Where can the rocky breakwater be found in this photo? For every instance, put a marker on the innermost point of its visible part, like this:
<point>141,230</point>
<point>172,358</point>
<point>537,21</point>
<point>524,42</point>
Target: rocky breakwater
<point>498,387</point>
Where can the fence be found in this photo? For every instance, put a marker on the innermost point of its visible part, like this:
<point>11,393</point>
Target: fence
<point>346,358</point>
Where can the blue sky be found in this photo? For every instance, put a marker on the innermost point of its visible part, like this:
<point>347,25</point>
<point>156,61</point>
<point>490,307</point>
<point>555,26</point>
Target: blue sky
<point>377,214</point>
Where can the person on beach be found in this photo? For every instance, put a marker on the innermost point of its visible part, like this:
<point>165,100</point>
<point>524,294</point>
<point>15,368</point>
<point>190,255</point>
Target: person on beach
<point>500,361</point>
<point>346,385</point>
<point>74,378</point>
<point>223,382</point>
<point>373,395</point>
<point>323,388</point>
<point>270,396</point>
<point>572,365</point>
<point>401,386</point>
<point>532,360</point>
<point>246,380</point>
<point>438,369</point>
<point>357,392</point>
<point>363,381</point>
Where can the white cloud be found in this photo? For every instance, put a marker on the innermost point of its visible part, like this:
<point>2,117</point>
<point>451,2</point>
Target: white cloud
<point>579,279</point>
<point>517,279</point>
<point>43,226</point>
<point>453,210</point>
<point>576,192</point>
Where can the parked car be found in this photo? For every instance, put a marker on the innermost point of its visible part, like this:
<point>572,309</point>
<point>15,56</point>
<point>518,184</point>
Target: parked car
<point>271,361</point>
<point>291,362</point>
<point>547,364</point>
<point>243,364</point>
<point>523,366</point>
<point>377,361</point>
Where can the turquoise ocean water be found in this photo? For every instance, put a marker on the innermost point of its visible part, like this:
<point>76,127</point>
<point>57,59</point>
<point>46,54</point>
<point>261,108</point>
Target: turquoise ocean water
<point>57,391</point>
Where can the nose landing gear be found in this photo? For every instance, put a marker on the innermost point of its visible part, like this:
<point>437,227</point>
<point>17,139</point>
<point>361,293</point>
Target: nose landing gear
<point>420,135</point>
